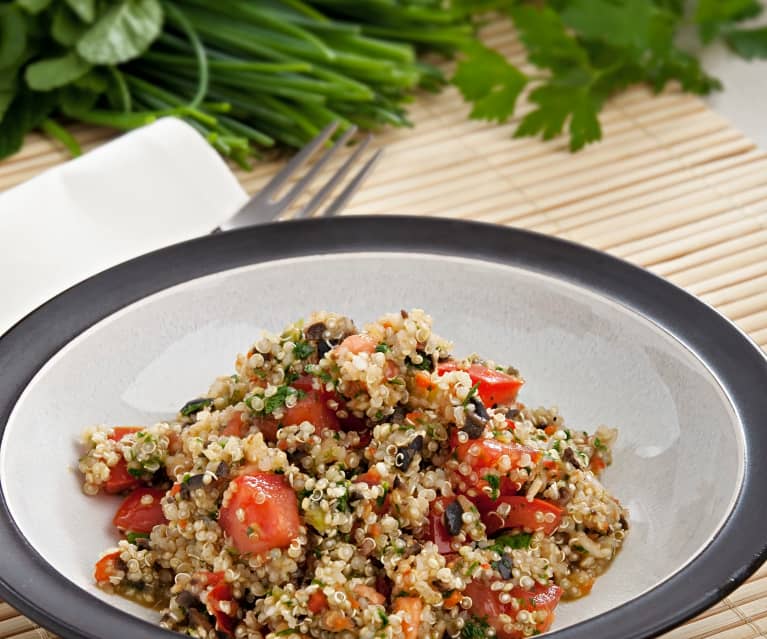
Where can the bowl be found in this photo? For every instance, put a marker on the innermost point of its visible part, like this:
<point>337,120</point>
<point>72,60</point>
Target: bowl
<point>606,342</point>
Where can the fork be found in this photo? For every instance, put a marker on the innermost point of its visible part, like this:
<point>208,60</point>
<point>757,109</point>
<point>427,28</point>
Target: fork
<point>263,207</point>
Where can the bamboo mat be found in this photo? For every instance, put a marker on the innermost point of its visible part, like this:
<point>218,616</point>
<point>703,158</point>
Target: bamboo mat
<point>673,187</point>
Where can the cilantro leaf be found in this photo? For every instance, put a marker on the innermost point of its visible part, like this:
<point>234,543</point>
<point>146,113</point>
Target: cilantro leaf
<point>491,82</point>
<point>714,16</point>
<point>748,43</point>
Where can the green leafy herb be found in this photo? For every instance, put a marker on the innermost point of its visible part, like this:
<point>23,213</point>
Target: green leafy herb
<point>302,350</point>
<point>131,537</point>
<point>383,617</point>
<point>515,542</point>
<point>382,348</point>
<point>472,392</point>
<point>495,485</point>
<point>279,398</point>
<point>195,405</point>
<point>475,628</point>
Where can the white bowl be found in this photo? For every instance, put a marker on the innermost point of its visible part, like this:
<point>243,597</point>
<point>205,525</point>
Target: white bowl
<point>605,342</point>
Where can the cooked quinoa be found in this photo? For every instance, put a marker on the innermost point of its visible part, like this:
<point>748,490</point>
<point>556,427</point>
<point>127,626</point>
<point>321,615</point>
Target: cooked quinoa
<point>352,483</point>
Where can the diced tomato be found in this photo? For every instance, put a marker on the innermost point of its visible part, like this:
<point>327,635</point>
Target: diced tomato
<point>371,477</point>
<point>317,602</point>
<point>495,387</point>
<point>120,479</point>
<point>436,529</point>
<point>106,567</point>
<point>487,604</point>
<point>522,514</point>
<point>597,465</point>
<point>236,426</point>
<point>489,452</point>
<point>225,623</point>
<point>360,343</point>
<point>135,516</point>
<point>118,432</point>
<point>270,509</point>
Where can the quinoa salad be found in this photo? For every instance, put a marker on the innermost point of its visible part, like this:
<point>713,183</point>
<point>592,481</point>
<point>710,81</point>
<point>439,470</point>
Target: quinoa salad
<point>356,484</point>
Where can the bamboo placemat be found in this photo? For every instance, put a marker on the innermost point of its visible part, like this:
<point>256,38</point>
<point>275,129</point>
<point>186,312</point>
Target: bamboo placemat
<point>673,187</point>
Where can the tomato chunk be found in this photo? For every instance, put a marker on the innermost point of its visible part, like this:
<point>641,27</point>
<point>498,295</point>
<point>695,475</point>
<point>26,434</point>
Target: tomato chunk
<point>106,567</point>
<point>532,515</point>
<point>137,516</point>
<point>495,387</point>
<point>436,529</point>
<point>487,604</point>
<point>120,479</point>
<point>236,426</point>
<point>486,453</point>
<point>118,432</point>
<point>270,513</point>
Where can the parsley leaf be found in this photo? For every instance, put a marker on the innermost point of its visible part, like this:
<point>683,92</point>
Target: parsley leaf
<point>488,80</point>
<point>748,43</point>
<point>302,350</point>
<point>277,400</point>
<point>515,542</point>
<point>475,628</point>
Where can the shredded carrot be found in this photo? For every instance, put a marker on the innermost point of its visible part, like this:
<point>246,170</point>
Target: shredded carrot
<point>182,523</point>
<point>453,600</point>
<point>597,464</point>
<point>371,594</point>
<point>317,602</point>
<point>411,620</point>
<point>550,429</point>
<point>336,621</point>
<point>176,489</point>
<point>423,380</point>
<point>374,529</point>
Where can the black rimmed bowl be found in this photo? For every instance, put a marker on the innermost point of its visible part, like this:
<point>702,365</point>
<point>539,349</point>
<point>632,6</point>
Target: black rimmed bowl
<point>605,341</point>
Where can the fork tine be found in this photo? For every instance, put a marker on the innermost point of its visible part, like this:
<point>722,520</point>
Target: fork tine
<point>325,192</point>
<point>338,204</point>
<point>299,159</point>
<point>301,186</point>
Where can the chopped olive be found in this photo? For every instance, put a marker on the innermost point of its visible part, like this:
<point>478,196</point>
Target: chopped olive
<point>474,426</point>
<point>315,331</point>
<point>185,599</point>
<point>453,518</point>
<point>222,470</point>
<point>504,567</point>
<point>479,408</point>
<point>194,405</point>
<point>512,413</point>
<point>569,456</point>
<point>405,454</point>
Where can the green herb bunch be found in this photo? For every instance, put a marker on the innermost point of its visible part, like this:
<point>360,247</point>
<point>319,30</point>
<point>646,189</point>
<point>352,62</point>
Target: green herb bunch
<point>252,74</point>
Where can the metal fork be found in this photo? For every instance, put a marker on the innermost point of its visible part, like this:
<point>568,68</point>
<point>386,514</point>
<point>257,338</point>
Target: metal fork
<point>263,207</point>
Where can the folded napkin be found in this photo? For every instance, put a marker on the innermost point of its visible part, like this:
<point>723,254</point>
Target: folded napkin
<point>152,187</point>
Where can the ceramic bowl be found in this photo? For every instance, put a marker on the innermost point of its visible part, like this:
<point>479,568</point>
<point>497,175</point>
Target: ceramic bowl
<point>606,342</point>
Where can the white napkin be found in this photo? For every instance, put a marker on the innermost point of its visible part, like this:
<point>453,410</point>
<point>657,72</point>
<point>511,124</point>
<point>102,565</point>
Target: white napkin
<point>152,187</point>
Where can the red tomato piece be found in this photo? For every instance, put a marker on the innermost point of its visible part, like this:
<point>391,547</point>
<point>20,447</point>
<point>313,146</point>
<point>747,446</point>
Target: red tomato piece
<point>270,513</point>
<point>219,593</point>
<point>105,567</point>
<point>486,604</point>
<point>495,387</point>
<point>236,426</point>
<point>318,602</point>
<point>136,516</point>
<point>486,453</point>
<point>522,514</point>
<point>120,479</point>
<point>118,432</point>
<point>436,529</point>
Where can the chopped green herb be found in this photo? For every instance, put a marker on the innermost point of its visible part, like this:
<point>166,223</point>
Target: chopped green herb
<point>195,405</point>
<point>131,537</point>
<point>475,628</point>
<point>472,392</point>
<point>515,542</point>
<point>286,632</point>
<point>382,497</point>
<point>384,619</point>
<point>382,348</point>
<point>579,548</point>
<point>136,472</point>
<point>279,398</point>
<point>302,350</point>
<point>495,485</point>
<point>598,444</point>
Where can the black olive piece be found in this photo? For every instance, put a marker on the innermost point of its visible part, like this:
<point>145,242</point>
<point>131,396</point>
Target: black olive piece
<point>624,523</point>
<point>453,518</point>
<point>142,543</point>
<point>504,567</point>
<point>474,427</point>
<point>398,416</point>
<point>569,456</point>
<point>405,454</point>
<point>512,413</point>
<point>479,408</point>
<point>396,483</point>
<point>222,470</point>
<point>195,481</point>
<point>564,496</point>
<point>315,331</point>
<point>185,599</point>
<point>404,314</point>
